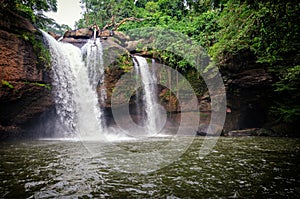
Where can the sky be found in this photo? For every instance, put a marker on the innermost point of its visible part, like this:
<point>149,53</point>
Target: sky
<point>68,11</point>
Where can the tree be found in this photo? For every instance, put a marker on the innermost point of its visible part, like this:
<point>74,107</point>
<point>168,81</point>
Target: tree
<point>104,12</point>
<point>268,29</point>
<point>288,107</point>
<point>32,9</point>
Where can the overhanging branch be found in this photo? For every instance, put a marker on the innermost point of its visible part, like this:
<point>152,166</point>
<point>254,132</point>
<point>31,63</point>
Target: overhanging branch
<point>116,26</point>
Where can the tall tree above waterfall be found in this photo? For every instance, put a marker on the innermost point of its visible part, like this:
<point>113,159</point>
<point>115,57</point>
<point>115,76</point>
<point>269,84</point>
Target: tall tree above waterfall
<point>103,12</point>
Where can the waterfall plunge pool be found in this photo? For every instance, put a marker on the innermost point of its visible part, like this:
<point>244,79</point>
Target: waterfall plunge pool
<point>246,167</point>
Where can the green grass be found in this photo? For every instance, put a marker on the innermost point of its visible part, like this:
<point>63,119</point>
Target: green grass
<point>47,86</point>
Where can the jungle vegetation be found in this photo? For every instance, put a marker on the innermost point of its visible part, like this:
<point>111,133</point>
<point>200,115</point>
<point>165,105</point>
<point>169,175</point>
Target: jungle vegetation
<point>267,29</point>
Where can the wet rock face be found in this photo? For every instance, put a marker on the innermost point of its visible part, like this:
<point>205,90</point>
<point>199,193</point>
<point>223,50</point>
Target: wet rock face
<point>248,91</point>
<point>23,91</point>
<point>17,59</point>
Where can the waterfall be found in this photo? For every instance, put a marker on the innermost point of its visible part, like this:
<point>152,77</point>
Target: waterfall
<point>93,56</point>
<point>139,110</point>
<point>76,74</point>
<point>149,82</point>
<point>92,53</point>
<point>63,87</point>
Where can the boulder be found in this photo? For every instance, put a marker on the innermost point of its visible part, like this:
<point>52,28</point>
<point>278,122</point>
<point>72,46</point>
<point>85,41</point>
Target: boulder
<point>105,33</point>
<point>76,42</point>
<point>252,78</point>
<point>82,33</point>
<point>121,36</point>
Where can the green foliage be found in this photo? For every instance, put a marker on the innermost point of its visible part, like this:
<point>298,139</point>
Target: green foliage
<point>174,15</point>
<point>32,9</point>
<point>278,31</point>
<point>287,87</point>
<point>197,83</point>
<point>125,62</point>
<point>289,113</point>
<point>237,24</point>
<point>151,7</point>
<point>47,86</point>
<point>42,53</point>
<point>202,28</point>
<point>6,83</point>
<point>102,12</point>
<point>290,80</point>
<point>56,28</point>
<point>267,29</point>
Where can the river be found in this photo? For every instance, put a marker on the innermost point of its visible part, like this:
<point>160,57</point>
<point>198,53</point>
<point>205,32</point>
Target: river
<point>246,167</point>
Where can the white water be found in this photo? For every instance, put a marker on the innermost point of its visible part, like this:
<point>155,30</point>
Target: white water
<point>139,110</point>
<point>93,56</point>
<point>75,83</point>
<point>77,73</point>
<point>150,98</point>
<point>63,87</point>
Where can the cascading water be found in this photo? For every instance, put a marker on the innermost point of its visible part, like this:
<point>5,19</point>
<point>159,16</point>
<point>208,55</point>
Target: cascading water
<point>93,56</point>
<point>139,110</point>
<point>63,87</point>
<point>90,117</point>
<point>149,82</point>
<point>75,83</point>
<point>77,73</point>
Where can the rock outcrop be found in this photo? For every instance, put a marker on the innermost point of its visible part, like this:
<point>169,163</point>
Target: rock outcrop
<point>82,33</point>
<point>24,82</point>
<point>87,33</point>
<point>248,88</point>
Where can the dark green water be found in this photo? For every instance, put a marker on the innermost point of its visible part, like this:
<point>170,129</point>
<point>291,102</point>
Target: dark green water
<point>248,167</point>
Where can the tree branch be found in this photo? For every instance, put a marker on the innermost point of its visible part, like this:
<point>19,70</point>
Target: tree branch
<point>126,19</point>
<point>116,26</point>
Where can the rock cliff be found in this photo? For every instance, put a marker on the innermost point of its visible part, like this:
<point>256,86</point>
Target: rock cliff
<point>24,81</point>
<point>247,87</point>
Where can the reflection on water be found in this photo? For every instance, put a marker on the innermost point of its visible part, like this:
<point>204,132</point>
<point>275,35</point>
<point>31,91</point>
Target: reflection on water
<point>237,167</point>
